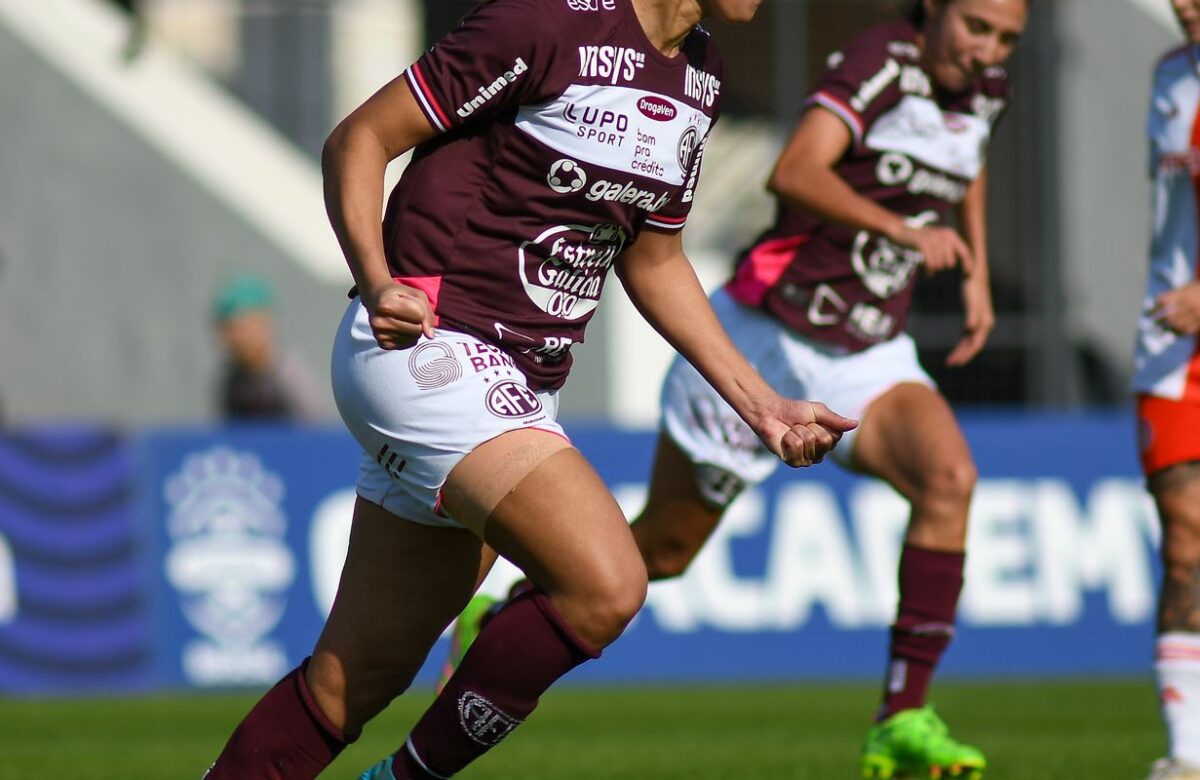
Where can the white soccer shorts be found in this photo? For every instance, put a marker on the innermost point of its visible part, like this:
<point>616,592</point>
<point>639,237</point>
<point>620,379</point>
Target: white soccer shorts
<point>727,454</point>
<point>417,412</point>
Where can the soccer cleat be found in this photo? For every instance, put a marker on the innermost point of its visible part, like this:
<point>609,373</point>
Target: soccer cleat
<point>915,743</point>
<point>466,628</point>
<point>1173,769</point>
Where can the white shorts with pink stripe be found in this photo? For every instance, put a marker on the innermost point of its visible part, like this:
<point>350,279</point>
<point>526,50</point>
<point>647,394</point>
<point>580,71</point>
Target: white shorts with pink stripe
<point>417,412</point>
<point>726,452</point>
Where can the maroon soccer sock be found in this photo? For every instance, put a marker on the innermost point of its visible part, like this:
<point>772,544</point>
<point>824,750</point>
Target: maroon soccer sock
<point>521,652</point>
<point>285,736</point>
<point>930,582</point>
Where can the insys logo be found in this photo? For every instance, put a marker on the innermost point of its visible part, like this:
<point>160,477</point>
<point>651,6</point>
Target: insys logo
<point>657,108</point>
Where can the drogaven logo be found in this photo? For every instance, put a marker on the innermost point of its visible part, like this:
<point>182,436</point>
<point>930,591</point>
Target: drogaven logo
<point>656,108</point>
<point>230,565</point>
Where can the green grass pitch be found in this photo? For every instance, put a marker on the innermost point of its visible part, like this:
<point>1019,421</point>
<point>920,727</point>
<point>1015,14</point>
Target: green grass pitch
<point>1085,730</point>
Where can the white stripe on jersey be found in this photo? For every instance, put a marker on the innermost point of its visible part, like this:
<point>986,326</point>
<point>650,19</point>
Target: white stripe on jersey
<point>623,129</point>
<point>948,141</point>
<point>1163,360</point>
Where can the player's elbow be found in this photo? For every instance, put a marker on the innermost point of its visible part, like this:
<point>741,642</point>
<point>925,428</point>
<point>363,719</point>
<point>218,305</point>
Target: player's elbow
<point>789,184</point>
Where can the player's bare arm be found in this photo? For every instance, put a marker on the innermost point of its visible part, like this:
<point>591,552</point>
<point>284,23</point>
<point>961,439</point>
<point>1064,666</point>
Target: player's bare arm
<point>979,317</point>
<point>353,161</point>
<point>1179,310</point>
<point>805,176</point>
<point>661,283</point>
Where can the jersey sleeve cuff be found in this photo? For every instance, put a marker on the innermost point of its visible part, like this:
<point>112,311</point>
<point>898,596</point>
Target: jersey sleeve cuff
<point>843,110</point>
<point>426,100</point>
<point>665,224</point>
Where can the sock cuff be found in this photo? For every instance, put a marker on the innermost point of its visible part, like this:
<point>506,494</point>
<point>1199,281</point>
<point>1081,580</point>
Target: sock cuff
<point>411,751</point>
<point>314,709</point>
<point>945,560</point>
<point>547,608</point>
<point>1177,646</point>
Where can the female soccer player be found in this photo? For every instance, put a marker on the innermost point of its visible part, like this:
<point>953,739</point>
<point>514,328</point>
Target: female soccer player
<point>893,138</point>
<point>1167,383</point>
<point>553,139</point>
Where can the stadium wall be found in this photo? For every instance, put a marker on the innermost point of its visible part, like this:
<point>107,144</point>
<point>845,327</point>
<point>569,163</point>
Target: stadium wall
<point>208,558</point>
<point>131,189</point>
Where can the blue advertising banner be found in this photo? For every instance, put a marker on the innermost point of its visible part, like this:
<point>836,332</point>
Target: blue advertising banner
<point>74,596</point>
<point>800,578</point>
<point>251,531</point>
<point>798,581</point>
<point>210,557</point>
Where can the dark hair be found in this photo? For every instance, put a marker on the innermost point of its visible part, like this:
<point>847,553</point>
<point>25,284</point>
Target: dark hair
<point>917,14</point>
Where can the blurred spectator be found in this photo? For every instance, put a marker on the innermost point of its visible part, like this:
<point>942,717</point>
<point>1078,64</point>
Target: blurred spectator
<point>259,379</point>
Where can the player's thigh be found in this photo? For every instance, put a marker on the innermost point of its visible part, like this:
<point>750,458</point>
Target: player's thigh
<point>679,516</point>
<point>909,437</point>
<point>1169,439</point>
<point>1176,491</point>
<point>558,522</point>
<point>401,585</point>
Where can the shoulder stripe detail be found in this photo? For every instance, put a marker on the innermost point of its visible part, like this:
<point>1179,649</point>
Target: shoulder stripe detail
<point>425,98</point>
<point>848,114</point>
<point>666,223</point>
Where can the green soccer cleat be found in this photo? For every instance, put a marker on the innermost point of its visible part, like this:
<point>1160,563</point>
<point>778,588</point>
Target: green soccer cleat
<point>916,744</point>
<point>466,628</point>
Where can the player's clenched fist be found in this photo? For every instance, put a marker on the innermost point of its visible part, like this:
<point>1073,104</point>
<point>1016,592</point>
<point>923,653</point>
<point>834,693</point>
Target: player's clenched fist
<point>801,433</point>
<point>399,315</point>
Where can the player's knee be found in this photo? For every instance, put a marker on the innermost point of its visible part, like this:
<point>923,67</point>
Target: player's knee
<point>1181,547</point>
<point>950,483</point>
<point>612,602</point>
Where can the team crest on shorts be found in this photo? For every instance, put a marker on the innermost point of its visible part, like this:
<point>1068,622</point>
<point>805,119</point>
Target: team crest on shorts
<point>483,721</point>
<point>512,399</point>
<point>433,365</point>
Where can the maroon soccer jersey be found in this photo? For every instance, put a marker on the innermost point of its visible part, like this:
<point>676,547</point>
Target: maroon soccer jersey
<point>565,134</point>
<point>915,150</point>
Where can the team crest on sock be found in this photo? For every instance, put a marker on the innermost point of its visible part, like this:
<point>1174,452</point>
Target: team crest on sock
<point>484,722</point>
<point>897,675</point>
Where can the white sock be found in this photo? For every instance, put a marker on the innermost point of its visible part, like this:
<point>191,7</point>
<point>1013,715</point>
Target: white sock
<point>1178,668</point>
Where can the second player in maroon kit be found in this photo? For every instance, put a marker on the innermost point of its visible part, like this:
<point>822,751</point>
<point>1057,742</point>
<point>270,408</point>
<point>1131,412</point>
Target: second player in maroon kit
<point>892,141</point>
<point>553,140</point>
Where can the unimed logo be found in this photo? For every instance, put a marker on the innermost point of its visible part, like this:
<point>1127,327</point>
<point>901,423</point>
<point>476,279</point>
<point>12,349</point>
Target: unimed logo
<point>512,399</point>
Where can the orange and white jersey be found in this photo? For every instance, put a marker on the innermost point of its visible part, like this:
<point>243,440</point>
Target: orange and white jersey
<point>1168,365</point>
